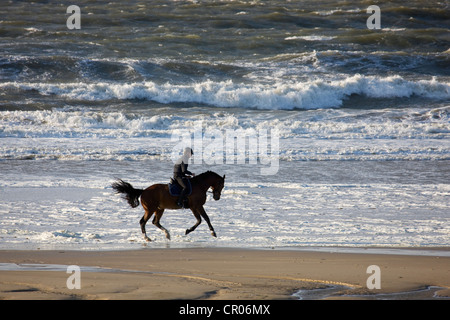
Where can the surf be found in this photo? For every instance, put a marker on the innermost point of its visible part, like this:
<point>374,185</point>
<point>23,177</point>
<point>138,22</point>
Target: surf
<point>279,95</point>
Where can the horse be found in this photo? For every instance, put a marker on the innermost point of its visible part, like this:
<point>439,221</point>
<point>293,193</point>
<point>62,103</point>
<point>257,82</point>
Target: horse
<point>156,198</point>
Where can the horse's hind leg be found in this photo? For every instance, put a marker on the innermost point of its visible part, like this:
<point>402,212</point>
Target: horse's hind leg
<point>143,221</point>
<point>158,215</point>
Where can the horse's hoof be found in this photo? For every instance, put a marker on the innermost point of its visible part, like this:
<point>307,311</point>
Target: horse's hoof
<point>213,233</point>
<point>147,239</point>
<point>168,236</point>
<point>187,232</point>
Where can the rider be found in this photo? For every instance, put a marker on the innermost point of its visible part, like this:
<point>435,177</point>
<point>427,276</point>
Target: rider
<point>180,173</point>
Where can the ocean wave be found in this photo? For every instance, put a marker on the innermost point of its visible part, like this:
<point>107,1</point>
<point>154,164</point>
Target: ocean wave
<point>310,38</point>
<point>288,95</point>
<point>68,122</point>
<point>82,123</point>
<point>161,151</point>
<point>73,133</point>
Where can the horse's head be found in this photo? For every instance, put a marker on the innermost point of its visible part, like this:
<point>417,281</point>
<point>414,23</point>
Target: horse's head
<point>217,187</point>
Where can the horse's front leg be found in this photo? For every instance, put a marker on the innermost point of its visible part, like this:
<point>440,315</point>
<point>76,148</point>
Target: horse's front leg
<point>205,216</point>
<point>199,220</point>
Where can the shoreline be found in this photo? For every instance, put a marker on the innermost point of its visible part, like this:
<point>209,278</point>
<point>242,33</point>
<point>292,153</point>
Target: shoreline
<point>224,273</point>
<point>441,251</point>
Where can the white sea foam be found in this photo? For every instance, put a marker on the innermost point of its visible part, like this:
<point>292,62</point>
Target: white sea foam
<point>339,134</point>
<point>310,38</point>
<point>331,12</point>
<point>86,123</point>
<point>262,215</point>
<point>313,94</point>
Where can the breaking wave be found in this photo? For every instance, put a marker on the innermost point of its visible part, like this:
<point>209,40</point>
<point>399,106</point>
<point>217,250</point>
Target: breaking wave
<point>282,95</point>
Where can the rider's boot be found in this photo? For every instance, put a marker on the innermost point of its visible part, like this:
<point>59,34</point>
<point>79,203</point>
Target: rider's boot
<point>180,202</point>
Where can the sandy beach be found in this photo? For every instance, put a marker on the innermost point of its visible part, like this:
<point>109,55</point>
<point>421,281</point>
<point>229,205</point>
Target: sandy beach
<point>221,273</point>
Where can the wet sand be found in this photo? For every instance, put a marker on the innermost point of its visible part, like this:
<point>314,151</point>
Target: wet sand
<point>221,273</point>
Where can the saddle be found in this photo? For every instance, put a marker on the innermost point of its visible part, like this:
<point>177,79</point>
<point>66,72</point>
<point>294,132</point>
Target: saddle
<point>175,188</point>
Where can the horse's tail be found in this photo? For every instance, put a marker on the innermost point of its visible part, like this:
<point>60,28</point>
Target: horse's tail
<point>130,194</point>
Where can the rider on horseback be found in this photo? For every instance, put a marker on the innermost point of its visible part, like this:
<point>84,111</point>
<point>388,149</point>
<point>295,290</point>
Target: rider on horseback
<point>180,173</point>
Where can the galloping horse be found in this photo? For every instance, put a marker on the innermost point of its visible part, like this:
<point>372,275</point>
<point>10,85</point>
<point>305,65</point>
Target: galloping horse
<point>156,198</point>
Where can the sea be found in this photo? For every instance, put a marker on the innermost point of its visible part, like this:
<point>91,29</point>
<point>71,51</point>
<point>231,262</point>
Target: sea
<point>332,131</point>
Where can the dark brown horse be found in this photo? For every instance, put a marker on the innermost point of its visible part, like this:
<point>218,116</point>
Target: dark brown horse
<point>156,198</point>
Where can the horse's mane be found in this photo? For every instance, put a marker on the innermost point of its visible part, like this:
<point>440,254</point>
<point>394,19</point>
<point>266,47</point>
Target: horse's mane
<point>204,174</point>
